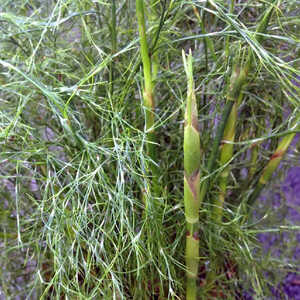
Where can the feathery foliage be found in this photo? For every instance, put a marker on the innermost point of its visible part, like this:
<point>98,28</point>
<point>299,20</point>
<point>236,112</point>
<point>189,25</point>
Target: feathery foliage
<point>77,80</point>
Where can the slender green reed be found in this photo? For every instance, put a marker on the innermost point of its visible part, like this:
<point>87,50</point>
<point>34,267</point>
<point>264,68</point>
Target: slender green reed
<point>237,82</point>
<point>192,161</point>
<point>240,78</point>
<point>272,165</point>
<point>215,148</point>
<point>235,87</point>
<point>148,95</point>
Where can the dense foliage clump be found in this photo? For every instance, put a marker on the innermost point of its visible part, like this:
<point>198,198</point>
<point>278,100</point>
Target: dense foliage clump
<point>125,165</point>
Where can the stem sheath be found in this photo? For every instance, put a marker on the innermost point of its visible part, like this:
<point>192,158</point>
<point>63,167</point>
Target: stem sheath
<point>192,161</point>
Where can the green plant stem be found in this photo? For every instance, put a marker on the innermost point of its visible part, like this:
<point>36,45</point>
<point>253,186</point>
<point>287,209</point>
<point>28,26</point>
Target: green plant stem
<point>192,160</point>
<point>148,85</point>
<point>237,81</point>
<point>226,154</point>
<point>271,166</point>
<point>215,147</point>
<point>238,78</point>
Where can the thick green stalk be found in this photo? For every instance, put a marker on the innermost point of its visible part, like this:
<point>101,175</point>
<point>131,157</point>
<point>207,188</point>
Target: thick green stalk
<point>234,91</point>
<point>229,132</point>
<point>238,79</point>
<point>226,154</point>
<point>192,160</point>
<point>271,166</point>
<point>148,84</point>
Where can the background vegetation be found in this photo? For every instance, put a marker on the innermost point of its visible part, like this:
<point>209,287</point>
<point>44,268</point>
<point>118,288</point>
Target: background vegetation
<point>91,204</point>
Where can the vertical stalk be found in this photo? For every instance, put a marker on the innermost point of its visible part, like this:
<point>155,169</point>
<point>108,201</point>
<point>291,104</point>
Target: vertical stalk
<point>192,160</point>
<point>226,154</point>
<point>233,94</point>
<point>237,82</point>
<point>148,96</point>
